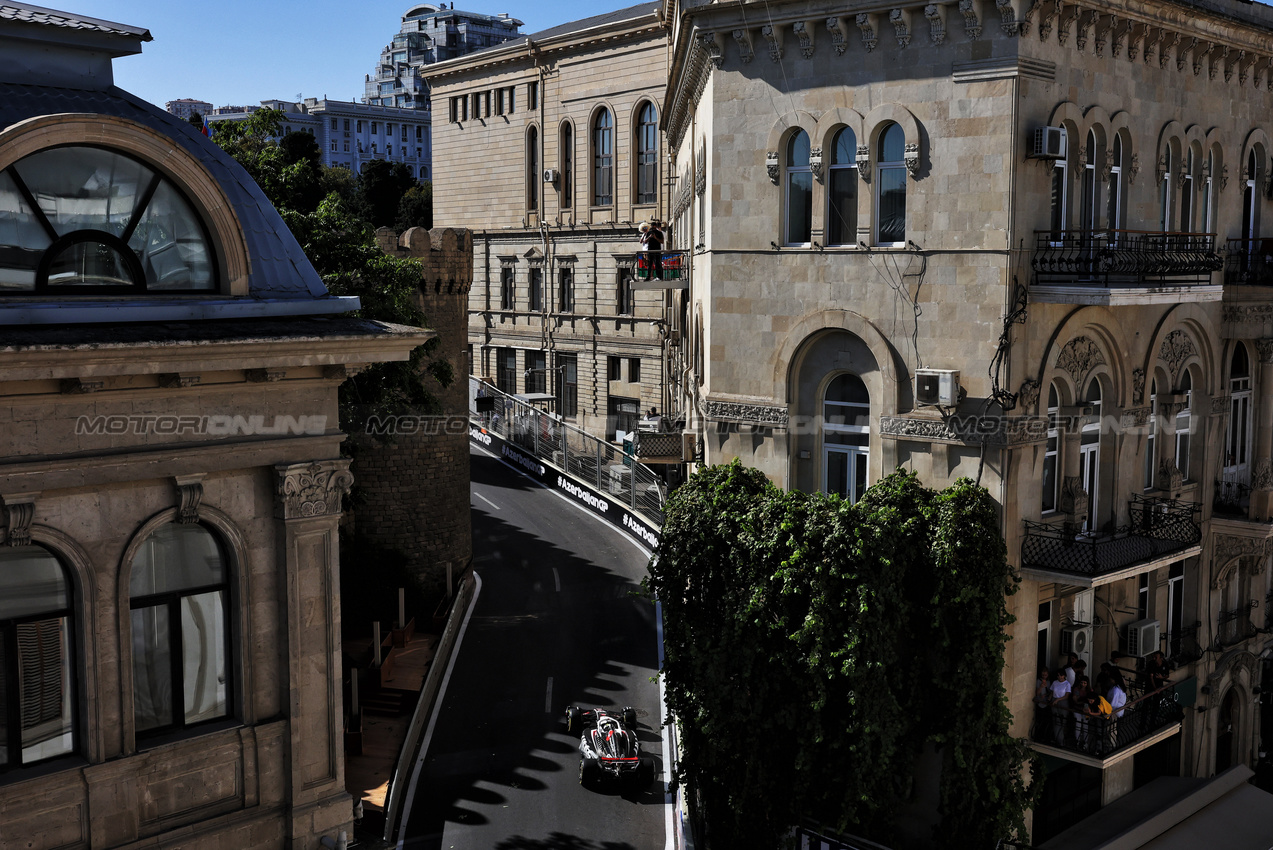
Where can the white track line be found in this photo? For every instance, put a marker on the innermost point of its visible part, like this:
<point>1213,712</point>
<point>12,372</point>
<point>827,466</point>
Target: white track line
<point>484,499</point>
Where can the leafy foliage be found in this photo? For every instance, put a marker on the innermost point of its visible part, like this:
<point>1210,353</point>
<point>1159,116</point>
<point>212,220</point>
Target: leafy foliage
<point>813,647</point>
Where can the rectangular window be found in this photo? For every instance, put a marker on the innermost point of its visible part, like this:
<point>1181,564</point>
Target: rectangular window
<point>1175,608</point>
<point>404,132</point>
<point>1058,200</point>
<point>346,146</point>
<point>623,414</point>
<point>1151,442</point>
<point>567,372</point>
<point>333,146</point>
<point>1142,597</point>
<point>891,207</point>
<point>333,123</point>
<point>614,368</point>
<point>512,97</point>
<point>634,370</point>
<point>374,126</point>
<point>499,101</point>
<point>455,110</point>
<point>566,289</point>
<point>360,126</point>
<point>623,295</point>
<point>536,277</point>
<point>346,125</point>
<point>536,372</point>
<point>506,370</point>
<point>1043,659</point>
<point>477,105</point>
<point>532,95</point>
<point>506,296</point>
<point>1050,463</point>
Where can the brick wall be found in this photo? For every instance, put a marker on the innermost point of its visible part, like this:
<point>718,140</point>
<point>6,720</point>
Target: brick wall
<point>415,489</point>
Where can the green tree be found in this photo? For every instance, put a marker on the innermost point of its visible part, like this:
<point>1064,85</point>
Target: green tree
<point>297,146</point>
<point>416,208</point>
<point>382,185</point>
<point>814,647</point>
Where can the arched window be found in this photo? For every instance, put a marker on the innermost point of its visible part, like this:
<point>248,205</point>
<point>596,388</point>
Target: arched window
<point>104,223</point>
<point>1060,197</point>
<point>890,187</point>
<point>1151,438</point>
<point>1090,453</point>
<point>37,686</point>
<point>1051,455</point>
<point>1164,199</point>
<point>603,160</point>
<point>1237,449</point>
<point>1090,215</point>
<point>180,601</point>
<point>842,190</point>
<point>798,221</point>
<point>1186,194</point>
<point>532,169</point>
<point>1206,191</point>
<point>1184,425</point>
<point>647,152</point>
<point>567,155</point>
<point>846,421</point>
<point>1250,199</point>
<point>1114,200</point>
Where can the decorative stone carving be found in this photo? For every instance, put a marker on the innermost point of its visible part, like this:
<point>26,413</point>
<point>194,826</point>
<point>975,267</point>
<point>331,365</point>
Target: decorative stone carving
<point>743,38</point>
<point>1264,347</point>
<point>910,157</point>
<point>971,431</point>
<point>1152,40</point>
<point>1200,57</point>
<point>750,414</point>
<point>972,26</point>
<point>1170,478</point>
<point>1086,21</point>
<point>1119,36</point>
<point>1135,417</point>
<point>189,494</point>
<point>1220,404</point>
<point>1258,66</point>
<point>773,35</point>
<point>1138,386</point>
<point>804,34</point>
<point>1160,169</point>
<point>1050,12</point>
<point>1007,17</point>
<point>79,386</point>
<point>815,162</point>
<point>1243,67</point>
<point>1079,356</point>
<point>771,165</point>
<point>936,16</point>
<point>901,29</point>
<point>1133,169</point>
<point>839,38</point>
<point>262,376</point>
<point>1108,166</point>
<point>1101,32</point>
<point>868,31</point>
<point>1176,348</point>
<point>863,159</point>
<point>1230,547</point>
<point>1224,177</point>
<point>173,380</point>
<point>1184,51</point>
<point>1168,43</point>
<point>1068,17</point>
<point>311,489</point>
<point>19,509</point>
<point>1073,501</point>
<point>1028,393</point>
<point>1134,34</point>
<point>708,44</point>
<point>1083,155</point>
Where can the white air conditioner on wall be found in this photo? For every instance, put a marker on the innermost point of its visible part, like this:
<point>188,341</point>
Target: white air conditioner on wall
<point>1142,637</point>
<point>1076,639</point>
<point>937,387</point>
<point>1049,143</point>
<point>550,175</point>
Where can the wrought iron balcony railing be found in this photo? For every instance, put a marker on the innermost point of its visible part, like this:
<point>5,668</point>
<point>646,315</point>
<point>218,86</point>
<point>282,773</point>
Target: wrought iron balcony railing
<point>1065,729</point>
<point>1248,261</point>
<point>1183,646</point>
<point>1158,527</point>
<point>1233,627</point>
<point>1233,492</point>
<point>1124,257</point>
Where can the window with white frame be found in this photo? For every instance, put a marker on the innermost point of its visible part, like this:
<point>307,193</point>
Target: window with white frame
<point>1186,194</point>
<point>1151,437</point>
<point>1091,205</point>
<point>842,190</point>
<point>1051,454</point>
<point>1207,198</point>
<point>647,151</point>
<point>890,187</point>
<point>798,214</point>
<point>532,169</point>
<point>1164,196</point>
<point>1250,199</point>
<point>1184,425</point>
<point>1059,201</point>
<point>603,159</point>
<point>1090,453</point>
<point>1237,449</point>
<point>846,421</point>
<point>1114,191</point>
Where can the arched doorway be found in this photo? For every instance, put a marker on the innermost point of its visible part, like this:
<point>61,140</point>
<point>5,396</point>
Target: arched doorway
<point>1226,731</point>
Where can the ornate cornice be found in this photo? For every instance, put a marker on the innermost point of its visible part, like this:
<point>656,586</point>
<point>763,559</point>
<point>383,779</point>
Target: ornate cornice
<point>773,35</point>
<point>768,415</point>
<point>972,26</point>
<point>1135,417</point>
<point>19,510</point>
<point>804,35</point>
<point>311,489</point>
<point>967,431</point>
<point>901,26</point>
<point>936,16</point>
<point>743,39</point>
<point>839,38</point>
<point>869,37</point>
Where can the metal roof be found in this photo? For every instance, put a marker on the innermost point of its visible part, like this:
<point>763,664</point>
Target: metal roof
<point>26,13</point>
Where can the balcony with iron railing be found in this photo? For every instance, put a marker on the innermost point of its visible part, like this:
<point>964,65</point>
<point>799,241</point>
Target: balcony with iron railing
<point>1160,530</point>
<point>1183,646</point>
<point>1133,263</point>
<point>1232,495</point>
<point>1248,262</point>
<point>662,270</point>
<point>1233,627</point>
<point>1146,717</point>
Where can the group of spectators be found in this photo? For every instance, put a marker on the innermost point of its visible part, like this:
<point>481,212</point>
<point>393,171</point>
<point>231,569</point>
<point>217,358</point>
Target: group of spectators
<point>1082,712</point>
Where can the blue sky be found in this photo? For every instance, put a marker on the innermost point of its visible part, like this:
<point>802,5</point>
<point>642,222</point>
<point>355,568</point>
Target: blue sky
<point>241,52</point>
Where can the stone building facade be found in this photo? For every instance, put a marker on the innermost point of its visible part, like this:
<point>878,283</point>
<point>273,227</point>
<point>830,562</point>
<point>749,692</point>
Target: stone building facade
<point>170,474</point>
<point>1023,243</point>
<point>549,151</point>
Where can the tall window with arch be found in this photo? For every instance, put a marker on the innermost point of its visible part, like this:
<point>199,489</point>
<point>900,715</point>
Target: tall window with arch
<point>1114,191</point>
<point>1051,455</point>
<point>532,169</point>
<point>179,591</point>
<point>1250,200</point>
<point>1186,194</point>
<point>603,159</point>
<point>1207,201</point>
<point>1164,191</point>
<point>1237,443</point>
<point>1184,425</point>
<point>1059,204</point>
<point>842,190</point>
<point>1090,211</point>
<point>1090,453</point>
<point>1151,437</point>
<point>890,187</point>
<point>37,685</point>
<point>647,153</point>
<point>846,428</point>
<point>798,214</point>
<point>567,156</point>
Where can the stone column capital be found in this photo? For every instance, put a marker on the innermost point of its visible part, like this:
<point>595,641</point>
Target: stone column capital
<point>1264,348</point>
<point>311,489</point>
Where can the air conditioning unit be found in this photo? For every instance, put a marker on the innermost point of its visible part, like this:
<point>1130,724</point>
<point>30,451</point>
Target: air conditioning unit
<point>689,446</point>
<point>1049,143</point>
<point>937,387</point>
<point>550,175</point>
<point>1076,639</point>
<point>1142,637</point>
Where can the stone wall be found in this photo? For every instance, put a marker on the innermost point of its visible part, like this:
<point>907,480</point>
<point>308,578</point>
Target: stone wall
<point>414,487</point>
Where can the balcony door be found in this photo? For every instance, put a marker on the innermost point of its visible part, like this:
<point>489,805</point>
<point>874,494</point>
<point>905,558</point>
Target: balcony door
<point>1237,449</point>
<point>1090,455</point>
<point>846,421</point>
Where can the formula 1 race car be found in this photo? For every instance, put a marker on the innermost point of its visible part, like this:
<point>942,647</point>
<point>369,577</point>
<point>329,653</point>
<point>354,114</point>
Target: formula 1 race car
<point>608,746</point>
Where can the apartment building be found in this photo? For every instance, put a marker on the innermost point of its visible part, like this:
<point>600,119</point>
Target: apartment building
<point>549,150</point>
<point>1026,243</point>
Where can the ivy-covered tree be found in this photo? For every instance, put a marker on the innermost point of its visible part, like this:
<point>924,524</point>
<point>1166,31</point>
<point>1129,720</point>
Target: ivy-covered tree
<point>814,647</point>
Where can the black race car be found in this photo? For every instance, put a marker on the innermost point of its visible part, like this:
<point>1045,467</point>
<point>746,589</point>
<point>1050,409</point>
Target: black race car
<point>608,746</point>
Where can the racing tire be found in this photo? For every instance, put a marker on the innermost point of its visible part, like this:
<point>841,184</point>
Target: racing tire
<point>645,773</point>
<point>588,772</point>
<point>573,724</point>
<point>629,717</point>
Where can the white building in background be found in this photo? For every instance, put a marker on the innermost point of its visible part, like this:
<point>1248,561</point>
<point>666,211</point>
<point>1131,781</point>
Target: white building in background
<point>430,33</point>
<point>351,134</point>
<point>184,107</point>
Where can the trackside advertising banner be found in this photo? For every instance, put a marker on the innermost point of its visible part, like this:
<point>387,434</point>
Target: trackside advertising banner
<point>598,503</point>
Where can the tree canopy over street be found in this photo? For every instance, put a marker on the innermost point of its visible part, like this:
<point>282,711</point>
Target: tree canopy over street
<point>815,649</point>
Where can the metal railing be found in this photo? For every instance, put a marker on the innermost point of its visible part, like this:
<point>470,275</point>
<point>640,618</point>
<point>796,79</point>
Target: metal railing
<point>1158,527</point>
<point>1128,257</point>
<point>1067,729</point>
<point>662,270</point>
<point>1248,261</point>
<point>1233,492</point>
<point>577,453</point>
<point>1183,646</point>
<point>1235,626</point>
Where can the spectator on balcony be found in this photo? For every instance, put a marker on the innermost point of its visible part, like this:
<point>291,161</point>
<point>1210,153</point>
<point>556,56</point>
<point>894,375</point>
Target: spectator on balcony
<point>1060,704</point>
<point>1070,675</point>
<point>1078,707</point>
<point>1157,673</point>
<point>1096,717</point>
<point>652,244</point>
<point>1117,696</point>
<point>1043,689</point>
